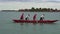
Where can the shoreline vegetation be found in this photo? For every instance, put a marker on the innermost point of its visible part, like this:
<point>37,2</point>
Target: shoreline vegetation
<point>33,10</point>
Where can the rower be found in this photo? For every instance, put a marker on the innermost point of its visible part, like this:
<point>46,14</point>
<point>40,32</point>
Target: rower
<point>22,16</point>
<point>42,17</point>
<point>27,17</point>
<point>34,17</point>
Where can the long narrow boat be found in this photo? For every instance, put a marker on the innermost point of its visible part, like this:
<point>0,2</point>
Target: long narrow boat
<point>35,21</point>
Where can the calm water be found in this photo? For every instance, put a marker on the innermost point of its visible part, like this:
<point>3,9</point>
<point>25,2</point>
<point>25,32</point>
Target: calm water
<point>8,27</point>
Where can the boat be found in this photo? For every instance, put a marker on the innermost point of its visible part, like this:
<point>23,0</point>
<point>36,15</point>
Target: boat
<point>21,20</point>
<point>34,21</point>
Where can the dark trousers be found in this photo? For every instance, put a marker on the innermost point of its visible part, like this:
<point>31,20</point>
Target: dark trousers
<point>41,18</point>
<point>26,18</point>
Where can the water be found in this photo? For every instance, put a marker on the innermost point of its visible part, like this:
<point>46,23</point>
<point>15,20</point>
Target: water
<point>8,27</point>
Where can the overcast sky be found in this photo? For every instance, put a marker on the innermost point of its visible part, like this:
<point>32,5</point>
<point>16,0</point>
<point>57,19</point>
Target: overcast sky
<point>22,4</point>
<point>30,0</point>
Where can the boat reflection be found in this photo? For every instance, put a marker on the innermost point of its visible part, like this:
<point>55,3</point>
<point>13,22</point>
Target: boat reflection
<point>35,23</point>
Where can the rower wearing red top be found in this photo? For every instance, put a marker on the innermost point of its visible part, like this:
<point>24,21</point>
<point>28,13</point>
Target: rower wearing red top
<point>34,17</point>
<point>42,17</point>
<point>22,16</point>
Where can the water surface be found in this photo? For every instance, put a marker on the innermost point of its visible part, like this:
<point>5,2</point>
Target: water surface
<point>8,27</point>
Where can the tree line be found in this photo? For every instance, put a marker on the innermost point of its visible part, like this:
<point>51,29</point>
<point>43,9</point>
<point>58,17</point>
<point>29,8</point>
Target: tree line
<point>40,9</point>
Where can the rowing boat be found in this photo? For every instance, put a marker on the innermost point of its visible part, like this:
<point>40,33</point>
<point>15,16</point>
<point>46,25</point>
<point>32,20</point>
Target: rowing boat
<point>34,21</point>
<point>21,20</point>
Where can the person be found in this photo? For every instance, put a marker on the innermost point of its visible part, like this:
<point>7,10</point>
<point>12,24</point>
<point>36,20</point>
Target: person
<point>42,17</point>
<point>34,17</point>
<point>22,16</point>
<point>27,17</point>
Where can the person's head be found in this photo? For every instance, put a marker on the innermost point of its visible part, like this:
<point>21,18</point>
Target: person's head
<point>28,14</point>
<point>43,14</point>
<point>35,14</point>
<point>23,13</point>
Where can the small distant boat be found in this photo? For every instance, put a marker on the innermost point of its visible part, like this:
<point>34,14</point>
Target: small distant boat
<point>35,21</point>
<point>32,21</point>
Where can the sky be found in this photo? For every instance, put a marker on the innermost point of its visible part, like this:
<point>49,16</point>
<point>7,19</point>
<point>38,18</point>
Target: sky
<point>28,0</point>
<point>22,4</point>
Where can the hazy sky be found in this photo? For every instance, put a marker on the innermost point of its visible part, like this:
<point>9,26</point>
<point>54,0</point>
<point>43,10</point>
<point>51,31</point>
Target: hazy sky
<point>28,0</point>
<point>22,4</point>
<point>24,0</point>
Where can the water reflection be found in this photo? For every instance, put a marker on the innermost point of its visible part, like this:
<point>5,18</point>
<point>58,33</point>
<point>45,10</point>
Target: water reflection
<point>34,28</point>
<point>36,23</point>
<point>21,24</point>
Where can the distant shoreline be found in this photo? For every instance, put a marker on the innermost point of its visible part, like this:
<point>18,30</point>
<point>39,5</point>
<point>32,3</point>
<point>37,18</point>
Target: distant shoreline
<point>30,11</point>
<point>26,11</point>
<point>33,10</point>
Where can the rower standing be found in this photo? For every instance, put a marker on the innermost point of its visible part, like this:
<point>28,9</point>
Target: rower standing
<point>42,17</point>
<point>27,17</point>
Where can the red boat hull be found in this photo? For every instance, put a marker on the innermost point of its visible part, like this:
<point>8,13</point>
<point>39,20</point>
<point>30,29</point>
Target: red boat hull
<point>35,21</point>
